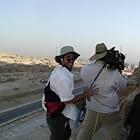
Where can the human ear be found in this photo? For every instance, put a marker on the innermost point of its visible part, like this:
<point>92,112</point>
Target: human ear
<point>61,59</point>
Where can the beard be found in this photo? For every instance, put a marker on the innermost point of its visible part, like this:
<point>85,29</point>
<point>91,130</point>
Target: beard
<point>69,68</point>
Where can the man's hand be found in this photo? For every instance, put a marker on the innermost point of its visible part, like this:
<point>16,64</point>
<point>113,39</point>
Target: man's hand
<point>88,93</point>
<point>91,91</point>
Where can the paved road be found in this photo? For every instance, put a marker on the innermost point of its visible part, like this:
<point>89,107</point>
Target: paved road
<point>17,112</point>
<point>20,111</point>
<point>33,127</point>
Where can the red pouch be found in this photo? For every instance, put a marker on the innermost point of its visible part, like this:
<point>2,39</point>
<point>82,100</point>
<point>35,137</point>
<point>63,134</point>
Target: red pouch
<point>54,108</point>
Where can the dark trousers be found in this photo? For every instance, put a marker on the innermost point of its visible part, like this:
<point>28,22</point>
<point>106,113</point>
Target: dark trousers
<point>59,127</point>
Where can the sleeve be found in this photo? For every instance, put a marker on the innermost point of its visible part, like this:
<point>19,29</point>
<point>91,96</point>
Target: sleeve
<point>120,82</point>
<point>64,89</point>
<point>43,103</point>
<point>84,75</point>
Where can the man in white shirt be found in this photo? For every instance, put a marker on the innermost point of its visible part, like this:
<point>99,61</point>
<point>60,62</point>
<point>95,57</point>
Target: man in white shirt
<point>59,89</point>
<point>101,108</point>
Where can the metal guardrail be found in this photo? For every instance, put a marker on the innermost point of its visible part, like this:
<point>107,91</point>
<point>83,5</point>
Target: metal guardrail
<point>19,112</point>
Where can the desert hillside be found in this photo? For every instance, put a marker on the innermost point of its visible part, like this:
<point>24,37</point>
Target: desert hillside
<point>12,58</point>
<point>22,78</point>
<point>25,75</point>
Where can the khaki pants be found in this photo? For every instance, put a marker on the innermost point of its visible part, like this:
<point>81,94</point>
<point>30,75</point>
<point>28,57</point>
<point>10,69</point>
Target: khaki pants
<point>110,123</point>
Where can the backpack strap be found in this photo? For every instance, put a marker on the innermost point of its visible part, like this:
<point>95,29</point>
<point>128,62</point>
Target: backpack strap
<point>52,102</point>
<point>50,95</point>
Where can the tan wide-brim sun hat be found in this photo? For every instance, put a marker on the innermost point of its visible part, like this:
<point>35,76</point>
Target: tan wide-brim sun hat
<point>100,52</point>
<point>65,50</point>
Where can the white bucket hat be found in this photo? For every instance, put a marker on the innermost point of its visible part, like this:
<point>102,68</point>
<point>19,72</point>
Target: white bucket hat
<point>100,52</point>
<point>65,50</point>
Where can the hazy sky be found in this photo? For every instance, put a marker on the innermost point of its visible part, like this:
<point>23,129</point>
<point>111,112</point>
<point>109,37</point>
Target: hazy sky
<point>41,27</point>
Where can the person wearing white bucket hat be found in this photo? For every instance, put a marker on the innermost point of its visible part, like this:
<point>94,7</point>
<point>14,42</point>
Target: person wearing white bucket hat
<point>102,108</point>
<point>58,100</point>
<point>65,50</point>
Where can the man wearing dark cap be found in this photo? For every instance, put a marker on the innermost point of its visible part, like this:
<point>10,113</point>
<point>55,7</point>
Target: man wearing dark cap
<point>61,84</point>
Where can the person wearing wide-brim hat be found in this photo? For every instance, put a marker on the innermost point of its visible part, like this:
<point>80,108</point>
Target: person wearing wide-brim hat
<point>102,108</point>
<point>100,52</point>
<point>59,89</point>
<point>66,50</point>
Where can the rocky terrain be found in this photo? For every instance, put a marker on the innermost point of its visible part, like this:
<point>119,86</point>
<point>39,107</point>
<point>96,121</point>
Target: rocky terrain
<point>22,79</point>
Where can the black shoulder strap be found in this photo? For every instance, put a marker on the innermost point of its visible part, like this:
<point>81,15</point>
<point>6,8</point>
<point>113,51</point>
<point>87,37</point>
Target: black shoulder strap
<point>96,78</point>
<point>98,74</point>
<point>50,95</point>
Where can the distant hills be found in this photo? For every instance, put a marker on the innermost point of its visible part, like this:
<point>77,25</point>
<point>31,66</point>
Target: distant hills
<point>11,58</point>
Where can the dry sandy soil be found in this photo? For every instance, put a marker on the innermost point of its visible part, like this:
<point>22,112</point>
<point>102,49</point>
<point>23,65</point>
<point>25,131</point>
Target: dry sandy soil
<point>23,87</point>
<point>22,79</point>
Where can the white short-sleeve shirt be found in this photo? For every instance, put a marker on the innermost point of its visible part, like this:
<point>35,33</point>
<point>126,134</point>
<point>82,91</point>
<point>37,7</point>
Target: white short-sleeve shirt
<point>109,83</point>
<point>62,83</point>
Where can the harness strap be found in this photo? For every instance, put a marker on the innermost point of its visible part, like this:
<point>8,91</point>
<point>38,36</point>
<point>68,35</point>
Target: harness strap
<point>96,122</point>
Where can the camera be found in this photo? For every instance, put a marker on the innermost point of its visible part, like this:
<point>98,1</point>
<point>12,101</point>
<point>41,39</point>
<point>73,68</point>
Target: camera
<point>115,60</point>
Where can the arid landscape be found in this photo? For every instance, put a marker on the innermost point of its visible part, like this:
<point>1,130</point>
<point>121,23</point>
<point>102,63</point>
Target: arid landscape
<point>22,80</point>
<point>34,31</point>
